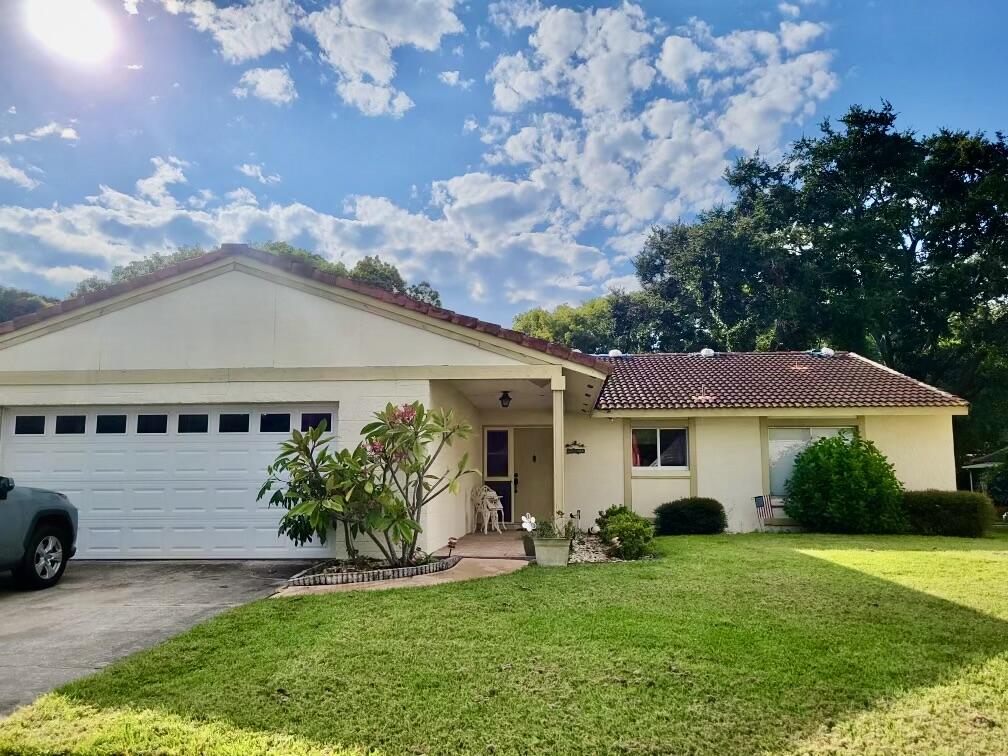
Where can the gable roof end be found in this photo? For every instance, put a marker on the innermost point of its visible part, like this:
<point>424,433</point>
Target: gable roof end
<point>310,272</point>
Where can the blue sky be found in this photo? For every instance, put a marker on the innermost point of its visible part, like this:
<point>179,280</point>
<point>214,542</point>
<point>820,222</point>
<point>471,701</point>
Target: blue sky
<point>514,154</point>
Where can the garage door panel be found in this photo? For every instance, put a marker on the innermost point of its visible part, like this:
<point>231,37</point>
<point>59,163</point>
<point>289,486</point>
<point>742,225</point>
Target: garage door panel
<point>159,496</point>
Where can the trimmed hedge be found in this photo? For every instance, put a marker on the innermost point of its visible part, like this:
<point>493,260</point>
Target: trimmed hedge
<point>949,513</point>
<point>695,515</point>
<point>604,517</point>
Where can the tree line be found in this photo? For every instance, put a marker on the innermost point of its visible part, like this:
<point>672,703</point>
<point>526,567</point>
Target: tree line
<point>864,237</point>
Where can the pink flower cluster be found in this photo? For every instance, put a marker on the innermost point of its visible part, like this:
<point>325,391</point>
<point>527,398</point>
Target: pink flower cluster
<point>405,414</point>
<point>375,447</point>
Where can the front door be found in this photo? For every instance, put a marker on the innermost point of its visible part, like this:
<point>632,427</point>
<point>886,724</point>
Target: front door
<point>532,461</point>
<point>498,466</point>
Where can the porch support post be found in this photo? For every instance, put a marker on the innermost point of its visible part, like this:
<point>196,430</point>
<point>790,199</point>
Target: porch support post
<point>559,455</point>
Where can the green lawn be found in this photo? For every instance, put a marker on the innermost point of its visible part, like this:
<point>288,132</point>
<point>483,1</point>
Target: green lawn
<point>729,644</point>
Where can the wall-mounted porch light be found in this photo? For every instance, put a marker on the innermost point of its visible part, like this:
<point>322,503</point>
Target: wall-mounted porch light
<point>505,399</point>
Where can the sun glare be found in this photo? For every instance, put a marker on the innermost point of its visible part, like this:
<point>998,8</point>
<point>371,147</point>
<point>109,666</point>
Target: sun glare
<point>80,30</point>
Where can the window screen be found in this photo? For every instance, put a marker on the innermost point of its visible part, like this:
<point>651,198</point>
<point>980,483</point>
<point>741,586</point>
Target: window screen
<point>659,447</point>
<point>784,446</point>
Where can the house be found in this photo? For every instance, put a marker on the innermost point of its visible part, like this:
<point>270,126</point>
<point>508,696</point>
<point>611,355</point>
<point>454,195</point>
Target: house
<point>981,465</point>
<point>156,405</point>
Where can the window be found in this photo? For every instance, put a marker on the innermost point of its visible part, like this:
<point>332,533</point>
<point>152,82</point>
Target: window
<point>110,424</point>
<point>29,425</point>
<point>70,424</point>
<point>312,419</point>
<point>152,423</point>
<point>233,423</point>
<point>193,423</point>
<point>497,463</point>
<point>659,447</point>
<point>274,422</point>
<point>785,444</point>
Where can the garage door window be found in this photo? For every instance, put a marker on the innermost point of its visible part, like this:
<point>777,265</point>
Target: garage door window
<point>110,424</point>
<point>29,425</point>
<point>274,422</point>
<point>70,424</point>
<point>233,423</point>
<point>193,423</point>
<point>152,423</point>
<point>312,419</point>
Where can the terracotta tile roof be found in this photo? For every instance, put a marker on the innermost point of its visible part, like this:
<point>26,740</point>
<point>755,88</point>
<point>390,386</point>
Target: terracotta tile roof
<point>761,379</point>
<point>307,271</point>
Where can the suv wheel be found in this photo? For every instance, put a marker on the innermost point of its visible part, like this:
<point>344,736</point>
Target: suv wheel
<point>45,558</point>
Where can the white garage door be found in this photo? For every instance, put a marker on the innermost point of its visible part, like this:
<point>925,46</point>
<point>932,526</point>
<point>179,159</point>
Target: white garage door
<point>160,482</point>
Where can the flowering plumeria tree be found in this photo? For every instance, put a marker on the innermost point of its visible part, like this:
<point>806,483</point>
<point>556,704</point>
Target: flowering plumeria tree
<point>379,489</point>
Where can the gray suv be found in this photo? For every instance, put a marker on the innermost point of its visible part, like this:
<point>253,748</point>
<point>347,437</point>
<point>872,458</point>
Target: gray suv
<point>38,529</point>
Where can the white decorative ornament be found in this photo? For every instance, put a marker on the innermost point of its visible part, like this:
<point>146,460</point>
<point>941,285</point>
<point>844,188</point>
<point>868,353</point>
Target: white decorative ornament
<point>706,352</point>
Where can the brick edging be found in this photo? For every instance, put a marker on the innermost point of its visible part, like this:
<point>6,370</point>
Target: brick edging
<point>315,576</point>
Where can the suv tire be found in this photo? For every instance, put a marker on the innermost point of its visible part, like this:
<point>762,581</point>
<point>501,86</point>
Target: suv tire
<point>45,559</point>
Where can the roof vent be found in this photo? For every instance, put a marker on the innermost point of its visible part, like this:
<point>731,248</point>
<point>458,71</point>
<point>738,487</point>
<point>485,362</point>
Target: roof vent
<point>576,351</point>
<point>706,352</point>
<point>826,352</point>
<point>615,353</point>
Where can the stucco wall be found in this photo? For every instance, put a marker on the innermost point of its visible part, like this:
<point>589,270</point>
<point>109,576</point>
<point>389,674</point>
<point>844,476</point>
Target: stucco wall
<point>593,480</point>
<point>919,446</point>
<point>450,514</point>
<point>729,466</point>
<point>239,320</point>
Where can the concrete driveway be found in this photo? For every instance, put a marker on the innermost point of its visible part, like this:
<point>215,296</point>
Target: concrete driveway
<point>102,611</point>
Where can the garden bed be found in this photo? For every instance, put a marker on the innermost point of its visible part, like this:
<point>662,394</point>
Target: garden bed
<point>340,572</point>
<point>589,549</point>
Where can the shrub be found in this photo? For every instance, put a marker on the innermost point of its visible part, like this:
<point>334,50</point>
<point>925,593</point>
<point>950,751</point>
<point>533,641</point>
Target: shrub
<point>844,484</point>
<point>629,535</point>
<point>950,513</point>
<point>695,515</point>
<point>615,509</point>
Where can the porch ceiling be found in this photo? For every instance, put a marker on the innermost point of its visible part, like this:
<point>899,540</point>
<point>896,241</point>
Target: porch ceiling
<point>525,394</point>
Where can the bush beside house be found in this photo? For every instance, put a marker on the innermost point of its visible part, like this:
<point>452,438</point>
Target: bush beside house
<point>626,534</point>
<point>694,515</point>
<point>948,513</point>
<point>844,484</point>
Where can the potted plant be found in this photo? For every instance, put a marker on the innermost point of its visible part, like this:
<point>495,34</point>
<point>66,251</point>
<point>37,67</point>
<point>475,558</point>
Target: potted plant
<point>552,544</point>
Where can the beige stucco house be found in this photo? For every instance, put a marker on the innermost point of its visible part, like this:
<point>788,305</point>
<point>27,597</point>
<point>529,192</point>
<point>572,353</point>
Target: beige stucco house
<point>157,404</point>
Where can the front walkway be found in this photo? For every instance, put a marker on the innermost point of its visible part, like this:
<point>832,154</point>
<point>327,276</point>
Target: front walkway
<point>506,545</point>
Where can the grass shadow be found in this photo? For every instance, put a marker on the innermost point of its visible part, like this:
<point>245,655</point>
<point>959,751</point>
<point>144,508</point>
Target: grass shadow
<point>733,644</point>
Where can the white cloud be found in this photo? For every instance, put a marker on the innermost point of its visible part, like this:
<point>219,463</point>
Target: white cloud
<point>271,84</point>
<point>243,31</point>
<point>68,133</point>
<point>130,6</point>
<point>12,173</point>
<point>135,67</point>
<point>597,59</point>
<point>454,79</point>
<point>789,9</point>
<point>681,59</point>
<point>254,170</point>
<point>167,171</point>
<point>357,40</point>
<point>12,110</point>
<point>796,37</point>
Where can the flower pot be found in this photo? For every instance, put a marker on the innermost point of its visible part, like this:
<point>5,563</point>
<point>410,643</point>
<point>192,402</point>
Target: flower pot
<point>552,552</point>
<point>529,545</point>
